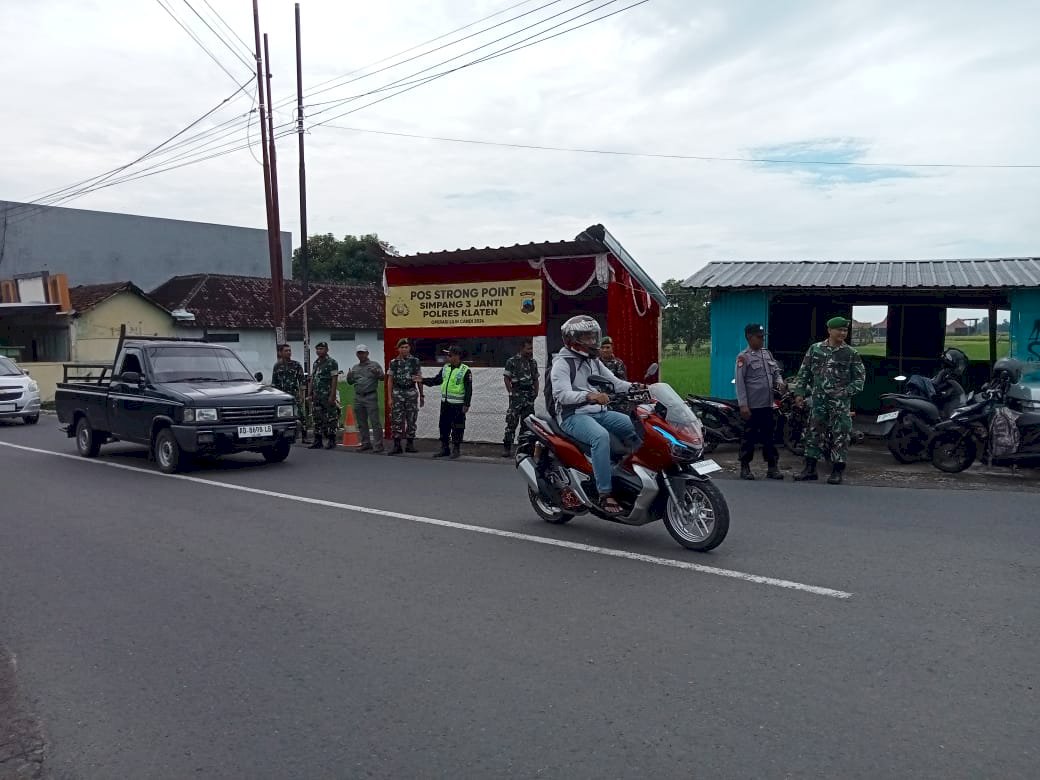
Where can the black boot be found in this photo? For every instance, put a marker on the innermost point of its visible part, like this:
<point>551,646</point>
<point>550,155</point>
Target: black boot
<point>330,443</point>
<point>745,471</point>
<point>317,445</point>
<point>808,473</point>
<point>455,452</point>
<point>410,446</point>
<point>507,449</point>
<point>397,448</point>
<point>773,472</point>
<point>836,474</point>
<point>444,451</point>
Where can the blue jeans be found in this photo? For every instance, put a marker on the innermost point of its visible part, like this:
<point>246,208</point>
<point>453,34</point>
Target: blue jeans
<point>595,430</point>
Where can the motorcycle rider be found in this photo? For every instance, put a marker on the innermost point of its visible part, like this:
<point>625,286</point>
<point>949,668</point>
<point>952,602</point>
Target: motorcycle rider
<point>582,411</point>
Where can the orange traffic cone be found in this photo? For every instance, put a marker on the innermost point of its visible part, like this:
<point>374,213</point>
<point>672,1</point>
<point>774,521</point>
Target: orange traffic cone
<point>350,432</point>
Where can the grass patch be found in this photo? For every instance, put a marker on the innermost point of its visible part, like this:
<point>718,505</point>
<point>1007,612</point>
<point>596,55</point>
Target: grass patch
<point>687,374</point>
<point>975,347</point>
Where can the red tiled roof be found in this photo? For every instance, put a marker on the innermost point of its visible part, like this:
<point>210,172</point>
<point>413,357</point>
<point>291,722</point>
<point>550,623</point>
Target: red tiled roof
<point>86,296</point>
<point>222,301</point>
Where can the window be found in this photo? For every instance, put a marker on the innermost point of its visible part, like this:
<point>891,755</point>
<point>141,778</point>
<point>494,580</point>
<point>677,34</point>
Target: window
<point>342,335</point>
<point>131,362</point>
<point>221,338</point>
<point>197,364</point>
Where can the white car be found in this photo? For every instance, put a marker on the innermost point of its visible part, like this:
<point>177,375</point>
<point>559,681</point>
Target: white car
<point>19,393</point>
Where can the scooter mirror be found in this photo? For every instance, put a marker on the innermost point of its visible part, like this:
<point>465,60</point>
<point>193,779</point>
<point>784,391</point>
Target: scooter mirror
<point>652,371</point>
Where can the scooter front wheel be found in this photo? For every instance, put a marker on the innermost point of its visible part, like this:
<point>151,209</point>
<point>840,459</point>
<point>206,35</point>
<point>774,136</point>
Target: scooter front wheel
<point>545,509</point>
<point>700,519</point>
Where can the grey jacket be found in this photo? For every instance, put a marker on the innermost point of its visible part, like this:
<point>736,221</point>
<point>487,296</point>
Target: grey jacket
<point>575,394</point>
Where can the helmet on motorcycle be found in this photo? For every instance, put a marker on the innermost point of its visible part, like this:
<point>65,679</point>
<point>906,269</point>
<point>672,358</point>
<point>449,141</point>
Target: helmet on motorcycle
<point>582,334</point>
<point>955,360</point>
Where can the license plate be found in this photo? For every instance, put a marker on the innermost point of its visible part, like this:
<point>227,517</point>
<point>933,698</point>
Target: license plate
<point>703,467</point>
<point>887,416</point>
<point>6,407</point>
<point>254,431</point>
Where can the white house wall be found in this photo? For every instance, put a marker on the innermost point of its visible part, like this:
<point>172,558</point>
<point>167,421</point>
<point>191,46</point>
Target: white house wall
<point>257,347</point>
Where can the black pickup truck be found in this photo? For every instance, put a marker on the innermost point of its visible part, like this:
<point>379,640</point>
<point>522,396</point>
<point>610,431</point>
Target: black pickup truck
<point>180,398</point>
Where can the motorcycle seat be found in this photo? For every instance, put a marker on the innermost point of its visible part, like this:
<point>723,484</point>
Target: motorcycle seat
<point>617,447</point>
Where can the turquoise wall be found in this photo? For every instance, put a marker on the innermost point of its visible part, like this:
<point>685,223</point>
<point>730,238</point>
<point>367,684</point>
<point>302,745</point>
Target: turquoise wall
<point>1025,319</point>
<point>730,312</point>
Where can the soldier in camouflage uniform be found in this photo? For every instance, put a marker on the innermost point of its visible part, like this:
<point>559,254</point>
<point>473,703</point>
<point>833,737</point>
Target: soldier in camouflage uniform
<point>325,398</point>
<point>406,396</point>
<point>831,373</point>
<point>521,379</point>
<point>287,376</point>
<point>616,366</point>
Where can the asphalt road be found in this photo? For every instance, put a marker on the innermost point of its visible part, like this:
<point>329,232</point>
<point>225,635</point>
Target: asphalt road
<point>168,628</point>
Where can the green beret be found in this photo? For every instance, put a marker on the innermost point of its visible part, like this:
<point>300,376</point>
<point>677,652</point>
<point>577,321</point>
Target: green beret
<point>837,322</point>
<point>402,343</point>
<point>320,345</point>
<point>607,340</point>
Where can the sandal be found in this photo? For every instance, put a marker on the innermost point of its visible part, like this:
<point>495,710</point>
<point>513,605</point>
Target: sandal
<point>610,506</point>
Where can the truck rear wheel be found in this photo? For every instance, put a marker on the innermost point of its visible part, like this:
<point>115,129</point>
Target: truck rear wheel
<point>88,443</point>
<point>168,452</point>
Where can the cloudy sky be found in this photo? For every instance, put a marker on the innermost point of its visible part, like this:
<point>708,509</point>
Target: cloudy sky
<point>89,86</point>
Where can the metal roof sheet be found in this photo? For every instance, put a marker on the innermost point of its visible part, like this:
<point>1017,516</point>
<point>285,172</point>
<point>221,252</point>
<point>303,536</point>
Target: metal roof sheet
<point>988,273</point>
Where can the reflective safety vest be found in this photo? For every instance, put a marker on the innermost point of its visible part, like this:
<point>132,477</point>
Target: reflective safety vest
<point>453,384</point>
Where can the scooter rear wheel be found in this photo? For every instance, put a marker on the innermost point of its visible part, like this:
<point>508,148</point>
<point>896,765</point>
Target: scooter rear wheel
<point>702,520</point>
<point>545,510</point>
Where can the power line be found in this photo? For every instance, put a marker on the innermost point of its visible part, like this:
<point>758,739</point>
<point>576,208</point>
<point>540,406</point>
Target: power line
<point>219,37</point>
<point>664,156</point>
<point>229,28</point>
<point>403,80</point>
<point>439,48</point>
<point>197,40</point>
<point>494,55</point>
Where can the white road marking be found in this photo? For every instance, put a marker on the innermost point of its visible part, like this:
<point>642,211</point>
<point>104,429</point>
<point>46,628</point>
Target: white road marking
<point>608,551</point>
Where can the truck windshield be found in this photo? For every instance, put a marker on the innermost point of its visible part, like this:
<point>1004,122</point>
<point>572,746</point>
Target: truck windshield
<point>8,368</point>
<point>197,364</point>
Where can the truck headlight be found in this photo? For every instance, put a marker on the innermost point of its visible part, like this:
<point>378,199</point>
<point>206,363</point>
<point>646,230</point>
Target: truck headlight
<point>205,415</point>
<point>286,411</point>
<point>188,415</point>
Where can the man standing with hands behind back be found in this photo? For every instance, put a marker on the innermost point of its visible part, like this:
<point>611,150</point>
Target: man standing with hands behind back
<point>757,378</point>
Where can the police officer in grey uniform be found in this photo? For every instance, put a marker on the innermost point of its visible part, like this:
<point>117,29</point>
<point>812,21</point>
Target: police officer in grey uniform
<point>757,378</point>
<point>366,377</point>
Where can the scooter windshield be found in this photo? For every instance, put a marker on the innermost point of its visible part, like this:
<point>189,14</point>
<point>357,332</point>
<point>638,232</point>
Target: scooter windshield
<point>678,414</point>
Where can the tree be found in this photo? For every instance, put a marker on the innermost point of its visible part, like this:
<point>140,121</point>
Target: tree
<point>355,259</point>
<point>685,318</point>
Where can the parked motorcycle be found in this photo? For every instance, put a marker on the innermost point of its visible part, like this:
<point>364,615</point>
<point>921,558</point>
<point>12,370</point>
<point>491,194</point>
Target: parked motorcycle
<point>923,404</point>
<point>968,435</point>
<point>662,478</point>
<point>723,424</point>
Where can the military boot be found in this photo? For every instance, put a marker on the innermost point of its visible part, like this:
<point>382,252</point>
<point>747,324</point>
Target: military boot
<point>317,445</point>
<point>808,473</point>
<point>773,472</point>
<point>365,447</point>
<point>444,452</point>
<point>837,471</point>
<point>397,448</point>
<point>745,471</point>
<point>410,446</point>
<point>455,453</point>
<point>507,449</point>
<point>330,443</point>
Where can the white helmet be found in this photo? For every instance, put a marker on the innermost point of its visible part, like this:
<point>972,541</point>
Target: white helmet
<point>582,334</point>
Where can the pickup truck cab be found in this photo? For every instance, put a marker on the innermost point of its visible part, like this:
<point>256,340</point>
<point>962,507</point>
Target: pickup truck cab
<point>180,398</point>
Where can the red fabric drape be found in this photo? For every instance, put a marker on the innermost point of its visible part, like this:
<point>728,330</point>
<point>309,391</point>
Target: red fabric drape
<point>636,339</point>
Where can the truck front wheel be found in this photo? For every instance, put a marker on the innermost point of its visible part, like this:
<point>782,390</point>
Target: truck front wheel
<point>168,452</point>
<point>88,444</point>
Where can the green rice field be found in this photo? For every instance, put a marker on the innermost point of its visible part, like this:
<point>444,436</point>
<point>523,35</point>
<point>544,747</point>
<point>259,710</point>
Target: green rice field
<point>975,347</point>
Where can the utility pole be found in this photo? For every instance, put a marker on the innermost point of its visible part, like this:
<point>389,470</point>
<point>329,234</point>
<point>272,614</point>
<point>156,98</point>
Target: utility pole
<point>279,312</point>
<point>273,239</point>
<point>304,257</point>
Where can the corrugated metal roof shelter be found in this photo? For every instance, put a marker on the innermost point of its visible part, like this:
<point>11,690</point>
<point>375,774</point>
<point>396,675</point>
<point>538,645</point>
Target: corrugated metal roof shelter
<point>794,298</point>
<point>987,274</point>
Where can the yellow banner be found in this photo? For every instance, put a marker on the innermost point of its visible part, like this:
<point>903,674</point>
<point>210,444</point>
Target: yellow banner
<point>481,304</point>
